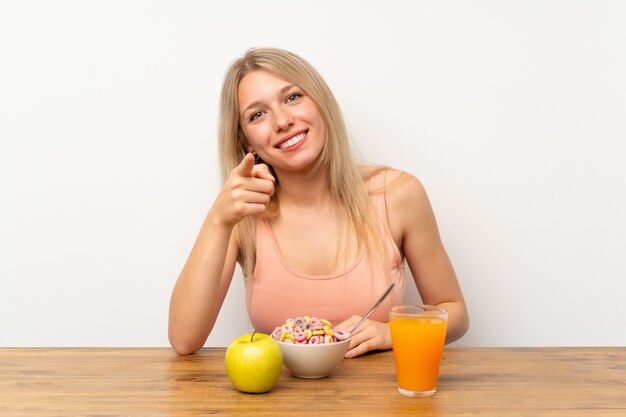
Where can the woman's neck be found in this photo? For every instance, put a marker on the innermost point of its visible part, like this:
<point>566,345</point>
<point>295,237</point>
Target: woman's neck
<point>303,189</point>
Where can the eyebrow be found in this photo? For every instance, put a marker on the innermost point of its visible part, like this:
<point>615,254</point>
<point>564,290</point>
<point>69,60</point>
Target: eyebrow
<point>257,103</point>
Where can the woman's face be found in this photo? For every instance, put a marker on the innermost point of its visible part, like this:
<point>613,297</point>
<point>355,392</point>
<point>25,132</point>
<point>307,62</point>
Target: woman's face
<point>281,123</point>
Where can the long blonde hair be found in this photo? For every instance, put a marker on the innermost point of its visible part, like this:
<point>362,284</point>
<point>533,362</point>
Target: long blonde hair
<point>346,182</point>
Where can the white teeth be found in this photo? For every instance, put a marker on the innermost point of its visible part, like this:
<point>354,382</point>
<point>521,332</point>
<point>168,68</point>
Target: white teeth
<point>291,141</point>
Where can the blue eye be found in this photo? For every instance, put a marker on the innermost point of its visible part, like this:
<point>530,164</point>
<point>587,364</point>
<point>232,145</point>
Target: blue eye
<point>254,116</point>
<point>294,97</point>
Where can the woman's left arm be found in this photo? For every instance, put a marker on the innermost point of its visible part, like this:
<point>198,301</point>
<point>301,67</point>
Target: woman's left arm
<point>413,225</point>
<point>414,229</point>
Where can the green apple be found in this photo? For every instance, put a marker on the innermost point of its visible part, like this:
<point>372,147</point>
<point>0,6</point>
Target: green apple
<point>253,362</point>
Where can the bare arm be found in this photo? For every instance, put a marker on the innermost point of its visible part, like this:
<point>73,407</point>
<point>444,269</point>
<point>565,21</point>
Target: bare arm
<point>414,229</point>
<point>411,212</point>
<point>204,281</point>
<point>201,287</point>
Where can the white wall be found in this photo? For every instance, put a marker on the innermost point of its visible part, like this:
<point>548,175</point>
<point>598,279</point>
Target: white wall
<point>511,113</point>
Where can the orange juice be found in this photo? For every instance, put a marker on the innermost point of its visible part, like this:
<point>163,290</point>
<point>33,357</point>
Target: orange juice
<point>417,348</point>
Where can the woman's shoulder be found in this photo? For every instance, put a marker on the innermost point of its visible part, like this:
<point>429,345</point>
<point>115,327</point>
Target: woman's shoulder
<point>406,201</point>
<point>397,183</point>
<point>403,189</point>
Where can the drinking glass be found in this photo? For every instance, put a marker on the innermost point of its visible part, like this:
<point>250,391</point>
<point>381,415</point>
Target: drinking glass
<point>418,333</point>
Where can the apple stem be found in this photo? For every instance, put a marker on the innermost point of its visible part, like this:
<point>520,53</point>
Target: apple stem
<point>252,337</point>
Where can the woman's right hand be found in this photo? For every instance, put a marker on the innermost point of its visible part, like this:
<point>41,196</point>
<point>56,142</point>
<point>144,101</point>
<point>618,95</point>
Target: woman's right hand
<point>247,191</point>
<point>206,276</point>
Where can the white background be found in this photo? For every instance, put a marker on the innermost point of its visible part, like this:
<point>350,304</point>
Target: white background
<point>511,113</point>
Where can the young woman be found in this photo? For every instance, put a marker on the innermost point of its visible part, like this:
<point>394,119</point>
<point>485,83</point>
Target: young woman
<point>315,233</point>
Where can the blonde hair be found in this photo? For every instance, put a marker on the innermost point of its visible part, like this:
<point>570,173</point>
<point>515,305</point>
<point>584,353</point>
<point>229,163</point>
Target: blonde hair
<point>345,179</point>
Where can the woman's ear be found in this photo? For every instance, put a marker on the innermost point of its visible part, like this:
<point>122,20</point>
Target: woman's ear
<point>249,149</point>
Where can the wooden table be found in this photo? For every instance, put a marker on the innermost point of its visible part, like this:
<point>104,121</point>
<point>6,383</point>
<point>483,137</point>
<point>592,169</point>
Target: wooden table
<point>157,382</point>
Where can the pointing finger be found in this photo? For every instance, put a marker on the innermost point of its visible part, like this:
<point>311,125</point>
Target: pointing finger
<point>245,166</point>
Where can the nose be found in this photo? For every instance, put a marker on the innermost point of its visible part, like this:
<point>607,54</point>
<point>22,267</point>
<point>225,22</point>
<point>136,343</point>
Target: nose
<point>283,120</point>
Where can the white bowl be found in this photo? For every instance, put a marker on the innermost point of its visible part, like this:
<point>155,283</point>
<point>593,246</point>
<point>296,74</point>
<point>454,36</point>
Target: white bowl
<point>313,361</point>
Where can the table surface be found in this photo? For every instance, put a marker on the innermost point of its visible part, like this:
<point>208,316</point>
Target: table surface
<point>156,382</point>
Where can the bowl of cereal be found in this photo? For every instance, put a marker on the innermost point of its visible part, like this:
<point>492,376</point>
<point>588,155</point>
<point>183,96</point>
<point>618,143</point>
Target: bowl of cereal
<point>311,347</point>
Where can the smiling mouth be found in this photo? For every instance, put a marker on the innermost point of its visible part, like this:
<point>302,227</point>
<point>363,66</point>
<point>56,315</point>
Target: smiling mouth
<point>292,141</point>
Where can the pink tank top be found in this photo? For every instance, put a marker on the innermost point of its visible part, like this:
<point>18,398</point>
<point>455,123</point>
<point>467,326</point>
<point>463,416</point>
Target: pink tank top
<point>276,293</point>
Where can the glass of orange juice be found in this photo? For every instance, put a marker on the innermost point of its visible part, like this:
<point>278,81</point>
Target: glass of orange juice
<point>418,333</point>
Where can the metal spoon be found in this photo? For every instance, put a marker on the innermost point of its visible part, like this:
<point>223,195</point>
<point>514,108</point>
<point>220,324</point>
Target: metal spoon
<point>374,307</point>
